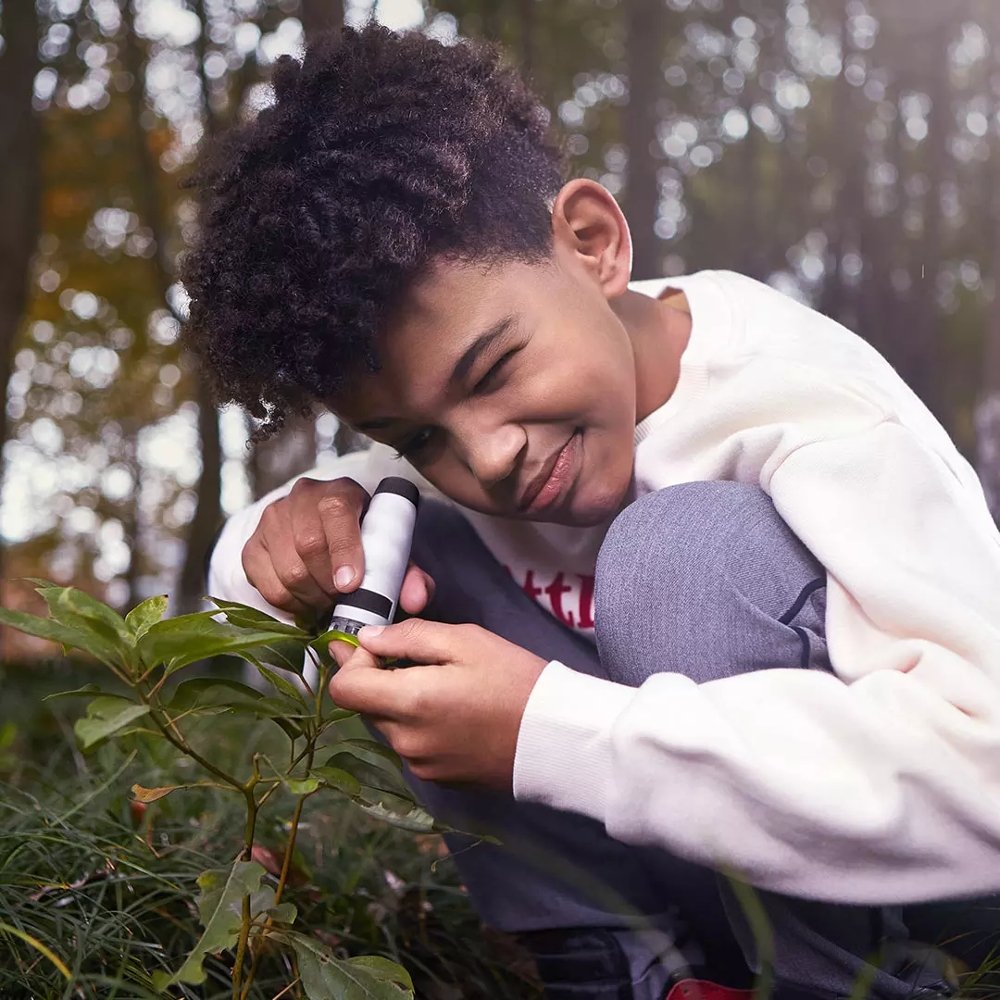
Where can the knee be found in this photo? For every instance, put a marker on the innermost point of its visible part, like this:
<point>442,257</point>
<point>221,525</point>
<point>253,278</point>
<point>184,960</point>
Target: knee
<point>699,533</point>
<point>693,570</point>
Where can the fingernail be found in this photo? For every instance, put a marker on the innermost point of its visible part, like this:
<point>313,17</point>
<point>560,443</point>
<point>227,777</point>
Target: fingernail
<point>343,576</point>
<point>371,632</point>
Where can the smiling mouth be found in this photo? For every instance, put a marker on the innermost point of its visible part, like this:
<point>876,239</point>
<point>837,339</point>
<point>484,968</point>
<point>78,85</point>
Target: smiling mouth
<point>549,483</point>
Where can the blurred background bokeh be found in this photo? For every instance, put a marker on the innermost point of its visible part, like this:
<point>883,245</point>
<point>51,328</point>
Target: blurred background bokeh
<point>843,150</point>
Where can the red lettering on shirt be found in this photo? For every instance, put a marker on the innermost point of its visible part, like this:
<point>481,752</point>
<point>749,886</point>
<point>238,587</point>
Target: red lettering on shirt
<point>529,585</point>
<point>586,602</point>
<point>555,590</point>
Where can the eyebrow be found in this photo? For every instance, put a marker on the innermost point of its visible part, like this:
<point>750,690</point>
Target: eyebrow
<point>463,366</point>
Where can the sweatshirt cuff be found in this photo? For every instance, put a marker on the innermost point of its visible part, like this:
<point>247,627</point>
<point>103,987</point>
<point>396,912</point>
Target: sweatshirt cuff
<point>564,747</point>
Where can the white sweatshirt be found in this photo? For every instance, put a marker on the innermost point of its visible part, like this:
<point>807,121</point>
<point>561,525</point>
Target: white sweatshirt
<point>880,784</point>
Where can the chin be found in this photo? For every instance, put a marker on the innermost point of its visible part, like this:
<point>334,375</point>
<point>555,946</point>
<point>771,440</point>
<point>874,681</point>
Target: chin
<point>600,508</point>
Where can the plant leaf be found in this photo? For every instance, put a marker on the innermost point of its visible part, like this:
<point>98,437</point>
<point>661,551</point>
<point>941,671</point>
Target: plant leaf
<point>71,601</point>
<point>204,692</point>
<point>325,977</point>
<point>289,654</point>
<point>143,794</point>
<point>283,913</point>
<point>398,812</point>
<point>373,753</point>
<point>371,763</point>
<point>105,716</point>
<point>338,780</point>
<point>220,906</point>
<point>55,631</point>
<point>248,617</point>
<point>301,786</point>
<point>142,616</point>
<point>178,642</point>
<point>297,786</point>
<point>86,690</point>
<point>281,684</point>
<point>109,637</point>
<point>214,695</point>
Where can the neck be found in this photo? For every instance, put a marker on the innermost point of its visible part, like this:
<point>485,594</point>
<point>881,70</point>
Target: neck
<point>659,331</point>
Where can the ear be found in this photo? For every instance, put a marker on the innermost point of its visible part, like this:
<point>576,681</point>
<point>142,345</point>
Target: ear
<point>587,222</point>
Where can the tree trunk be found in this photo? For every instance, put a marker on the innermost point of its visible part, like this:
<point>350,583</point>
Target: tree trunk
<point>987,414</point>
<point>208,506</point>
<point>19,183</point>
<point>645,31</point>
<point>321,15</point>
<point>845,157</point>
<point>526,28</point>
<point>293,449</point>
<point>130,514</point>
<point>290,452</point>
<point>191,586</point>
<point>927,374</point>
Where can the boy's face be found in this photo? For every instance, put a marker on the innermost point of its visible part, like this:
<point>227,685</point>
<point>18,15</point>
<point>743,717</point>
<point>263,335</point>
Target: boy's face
<point>515,389</point>
<point>511,389</point>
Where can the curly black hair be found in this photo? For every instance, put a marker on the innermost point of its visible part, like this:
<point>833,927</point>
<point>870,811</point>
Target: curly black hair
<point>382,152</point>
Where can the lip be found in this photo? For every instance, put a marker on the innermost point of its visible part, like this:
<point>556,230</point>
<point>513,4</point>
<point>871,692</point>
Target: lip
<point>551,481</point>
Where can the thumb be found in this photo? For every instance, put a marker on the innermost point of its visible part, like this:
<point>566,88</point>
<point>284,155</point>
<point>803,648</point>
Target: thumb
<point>417,590</point>
<point>341,651</point>
<point>350,658</point>
<point>415,639</point>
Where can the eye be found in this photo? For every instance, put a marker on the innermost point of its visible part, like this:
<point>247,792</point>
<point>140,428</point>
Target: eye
<point>414,445</point>
<point>489,379</point>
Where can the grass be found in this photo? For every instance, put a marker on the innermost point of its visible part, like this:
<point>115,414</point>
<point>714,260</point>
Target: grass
<point>105,890</point>
<point>93,888</point>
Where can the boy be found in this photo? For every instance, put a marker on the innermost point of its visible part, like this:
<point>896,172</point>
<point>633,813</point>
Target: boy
<point>789,572</point>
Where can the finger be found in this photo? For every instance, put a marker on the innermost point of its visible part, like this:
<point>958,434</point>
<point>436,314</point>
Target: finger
<point>417,590</point>
<point>416,639</point>
<point>361,659</point>
<point>360,686</point>
<point>292,571</point>
<point>341,651</point>
<point>308,534</point>
<point>340,511</point>
<point>261,575</point>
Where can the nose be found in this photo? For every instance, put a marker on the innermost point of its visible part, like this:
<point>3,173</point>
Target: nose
<point>491,454</point>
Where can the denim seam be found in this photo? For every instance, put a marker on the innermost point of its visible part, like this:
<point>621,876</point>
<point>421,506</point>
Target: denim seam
<point>806,648</point>
<point>800,602</point>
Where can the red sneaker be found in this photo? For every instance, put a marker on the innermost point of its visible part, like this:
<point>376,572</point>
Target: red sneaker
<point>702,989</point>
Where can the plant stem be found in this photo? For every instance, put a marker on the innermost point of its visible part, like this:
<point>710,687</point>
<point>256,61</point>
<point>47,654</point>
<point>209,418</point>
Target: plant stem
<point>173,735</point>
<point>309,753</point>
<point>245,915</point>
<point>287,989</point>
<point>286,864</point>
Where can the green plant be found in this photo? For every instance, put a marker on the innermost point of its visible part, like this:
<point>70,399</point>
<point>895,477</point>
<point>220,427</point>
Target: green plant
<point>241,906</point>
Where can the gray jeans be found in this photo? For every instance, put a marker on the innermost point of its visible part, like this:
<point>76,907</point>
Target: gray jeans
<point>703,579</point>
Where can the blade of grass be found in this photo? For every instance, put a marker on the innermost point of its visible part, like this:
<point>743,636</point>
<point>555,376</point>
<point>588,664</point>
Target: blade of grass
<point>38,946</point>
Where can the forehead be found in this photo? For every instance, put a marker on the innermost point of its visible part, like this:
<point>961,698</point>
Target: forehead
<point>449,297</point>
<point>444,309</point>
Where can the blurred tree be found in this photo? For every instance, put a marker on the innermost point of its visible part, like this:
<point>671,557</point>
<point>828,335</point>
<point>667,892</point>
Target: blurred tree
<point>293,449</point>
<point>987,417</point>
<point>207,514</point>
<point>645,43</point>
<point>845,150</point>
<point>19,179</point>
<point>321,15</point>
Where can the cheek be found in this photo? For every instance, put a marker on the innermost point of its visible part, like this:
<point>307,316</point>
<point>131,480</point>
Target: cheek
<point>454,480</point>
<point>585,379</point>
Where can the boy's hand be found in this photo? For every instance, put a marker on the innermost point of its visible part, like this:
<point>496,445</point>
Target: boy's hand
<point>306,550</point>
<point>455,718</point>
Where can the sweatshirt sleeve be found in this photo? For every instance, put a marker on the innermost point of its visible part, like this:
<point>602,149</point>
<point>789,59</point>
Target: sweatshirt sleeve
<point>226,577</point>
<point>878,785</point>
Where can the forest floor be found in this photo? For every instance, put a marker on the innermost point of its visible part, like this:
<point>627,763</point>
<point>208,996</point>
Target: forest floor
<point>109,886</point>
